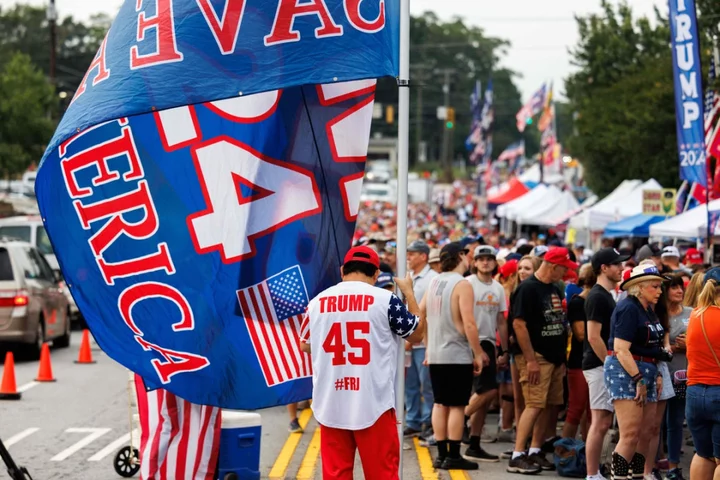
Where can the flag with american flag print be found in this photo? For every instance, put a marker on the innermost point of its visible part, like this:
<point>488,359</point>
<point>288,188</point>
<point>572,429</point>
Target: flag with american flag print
<point>712,128</point>
<point>531,108</point>
<point>273,311</point>
<point>179,440</point>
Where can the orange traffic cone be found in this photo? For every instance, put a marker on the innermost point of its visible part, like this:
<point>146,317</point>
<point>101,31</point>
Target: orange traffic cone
<point>8,387</point>
<point>45,371</point>
<point>85,355</point>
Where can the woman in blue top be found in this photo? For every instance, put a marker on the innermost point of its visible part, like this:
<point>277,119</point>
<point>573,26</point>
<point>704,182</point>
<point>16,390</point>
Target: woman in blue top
<point>631,373</point>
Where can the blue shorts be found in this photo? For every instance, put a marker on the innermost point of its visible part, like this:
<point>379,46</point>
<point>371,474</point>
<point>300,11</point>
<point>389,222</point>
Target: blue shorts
<point>702,410</point>
<point>504,376</point>
<point>620,384</point>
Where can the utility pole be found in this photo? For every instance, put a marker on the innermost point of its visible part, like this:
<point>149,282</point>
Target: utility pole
<point>52,20</point>
<point>447,133</point>
<point>420,77</point>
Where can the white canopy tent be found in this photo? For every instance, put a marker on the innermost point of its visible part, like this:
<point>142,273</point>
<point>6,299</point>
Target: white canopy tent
<point>538,205</point>
<point>545,214</point>
<point>520,203</point>
<point>581,221</point>
<point>688,225</point>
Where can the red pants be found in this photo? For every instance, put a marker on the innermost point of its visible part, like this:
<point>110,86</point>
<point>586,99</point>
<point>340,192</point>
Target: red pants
<point>378,445</point>
<point>578,396</point>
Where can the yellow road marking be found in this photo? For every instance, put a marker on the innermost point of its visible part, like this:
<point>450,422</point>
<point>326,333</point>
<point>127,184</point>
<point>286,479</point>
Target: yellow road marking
<point>283,460</point>
<point>307,467</point>
<point>458,474</point>
<point>423,455</point>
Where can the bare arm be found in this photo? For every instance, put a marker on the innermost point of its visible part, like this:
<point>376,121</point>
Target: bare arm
<point>502,327</point>
<point>419,310</point>
<point>466,298</point>
<point>622,352</point>
<point>305,347</point>
<point>595,340</point>
<point>523,338</point>
<point>578,330</point>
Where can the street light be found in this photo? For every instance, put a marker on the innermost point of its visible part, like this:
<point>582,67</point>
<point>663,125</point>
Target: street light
<point>62,95</point>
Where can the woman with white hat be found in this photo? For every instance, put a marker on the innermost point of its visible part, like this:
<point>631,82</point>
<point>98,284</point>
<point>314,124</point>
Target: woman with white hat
<point>631,373</point>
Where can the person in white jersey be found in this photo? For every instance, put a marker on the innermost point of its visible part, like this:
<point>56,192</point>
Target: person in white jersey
<point>453,353</point>
<point>489,309</point>
<point>351,332</point>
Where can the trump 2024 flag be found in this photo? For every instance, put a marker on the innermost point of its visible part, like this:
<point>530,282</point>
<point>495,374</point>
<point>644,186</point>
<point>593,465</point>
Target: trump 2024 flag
<point>205,180</point>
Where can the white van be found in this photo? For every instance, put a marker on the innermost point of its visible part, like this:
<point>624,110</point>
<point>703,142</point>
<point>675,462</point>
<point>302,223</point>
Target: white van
<point>29,228</point>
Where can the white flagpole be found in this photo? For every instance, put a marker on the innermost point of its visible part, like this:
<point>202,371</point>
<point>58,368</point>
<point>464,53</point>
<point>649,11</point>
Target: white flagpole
<point>402,201</point>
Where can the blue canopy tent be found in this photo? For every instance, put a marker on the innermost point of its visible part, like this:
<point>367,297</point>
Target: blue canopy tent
<point>635,226</point>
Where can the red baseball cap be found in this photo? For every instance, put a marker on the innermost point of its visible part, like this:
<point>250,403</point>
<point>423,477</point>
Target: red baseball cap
<point>693,256</point>
<point>363,254</point>
<point>560,256</point>
<point>508,268</point>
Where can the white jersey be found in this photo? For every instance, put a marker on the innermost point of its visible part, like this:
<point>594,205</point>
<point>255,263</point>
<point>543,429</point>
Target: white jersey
<point>352,329</point>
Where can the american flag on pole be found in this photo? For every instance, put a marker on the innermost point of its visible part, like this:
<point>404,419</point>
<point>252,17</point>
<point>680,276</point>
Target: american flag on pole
<point>179,440</point>
<point>273,310</point>
<point>531,108</point>
<point>712,120</point>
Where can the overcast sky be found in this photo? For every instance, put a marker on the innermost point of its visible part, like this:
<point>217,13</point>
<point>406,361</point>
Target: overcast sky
<point>540,31</point>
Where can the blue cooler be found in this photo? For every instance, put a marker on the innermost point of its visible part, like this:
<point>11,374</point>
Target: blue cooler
<point>239,446</point>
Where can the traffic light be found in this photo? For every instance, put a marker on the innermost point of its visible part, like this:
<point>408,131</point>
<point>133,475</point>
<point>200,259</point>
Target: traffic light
<point>389,114</point>
<point>450,123</point>
<point>529,121</point>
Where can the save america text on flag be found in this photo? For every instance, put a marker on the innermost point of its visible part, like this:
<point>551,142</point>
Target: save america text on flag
<point>212,145</point>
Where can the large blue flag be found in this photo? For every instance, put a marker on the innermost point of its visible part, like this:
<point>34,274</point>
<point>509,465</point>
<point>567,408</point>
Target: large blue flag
<point>204,183</point>
<point>687,72</point>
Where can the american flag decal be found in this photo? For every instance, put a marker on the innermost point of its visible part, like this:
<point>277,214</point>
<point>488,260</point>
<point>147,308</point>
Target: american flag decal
<point>273,310</point>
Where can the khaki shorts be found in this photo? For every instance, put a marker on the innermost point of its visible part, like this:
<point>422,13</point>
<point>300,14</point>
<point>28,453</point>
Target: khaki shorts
<point>549,391</point>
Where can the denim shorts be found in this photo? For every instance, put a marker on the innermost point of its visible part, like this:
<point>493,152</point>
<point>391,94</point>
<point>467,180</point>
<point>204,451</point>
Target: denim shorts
<point>620,384</point>
<point>702,410</point>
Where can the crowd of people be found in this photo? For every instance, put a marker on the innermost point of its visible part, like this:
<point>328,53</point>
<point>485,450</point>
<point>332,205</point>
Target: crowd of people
<point>614,343</point>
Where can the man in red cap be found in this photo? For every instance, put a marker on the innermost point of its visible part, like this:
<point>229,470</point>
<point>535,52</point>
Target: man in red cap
<point>351,331</point>
<point>539,323</point>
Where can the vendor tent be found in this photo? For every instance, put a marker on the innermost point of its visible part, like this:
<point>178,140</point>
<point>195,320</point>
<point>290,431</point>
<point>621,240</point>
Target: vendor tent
<point>507,192</point>
<point>544,213</point>
<point>589,202</point>
<point>582,220</point>
<point>689,225</point>
<point>635,226</point>
<point>537,194</point>
<point>625,204</point>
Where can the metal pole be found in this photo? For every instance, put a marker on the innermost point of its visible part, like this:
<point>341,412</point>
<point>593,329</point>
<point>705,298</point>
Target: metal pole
<point>402,201</point>
<point>52,18</point>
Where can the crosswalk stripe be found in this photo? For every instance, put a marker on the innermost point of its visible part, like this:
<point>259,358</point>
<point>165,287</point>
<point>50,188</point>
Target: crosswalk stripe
<point>283,459</point>
<point>116,445</point>
<point>425,461</point>
<point>307,467</point>
<point>94,434</point>
<point>16,438</point>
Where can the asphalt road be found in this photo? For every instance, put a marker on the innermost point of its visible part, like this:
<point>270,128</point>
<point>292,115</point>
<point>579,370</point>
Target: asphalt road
<point>72,428</point>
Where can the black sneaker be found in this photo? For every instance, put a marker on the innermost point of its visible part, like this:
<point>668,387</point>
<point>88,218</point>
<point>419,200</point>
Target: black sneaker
<point>674,474</point>
<point>437,463</point>
<point>523,465</point>
<point>542,462</point>
<point>458,464</point>
<point>549,445</point>
<point>411,432</point>
<point>507,454</point>
<point>480,455</point>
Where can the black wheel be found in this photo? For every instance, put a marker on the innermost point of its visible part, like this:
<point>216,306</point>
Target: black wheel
<point>64,341</point>
<point>125,464</point>
<point>231,476</point>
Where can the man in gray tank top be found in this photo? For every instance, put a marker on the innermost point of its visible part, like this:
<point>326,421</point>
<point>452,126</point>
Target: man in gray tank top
<point>454,354</point>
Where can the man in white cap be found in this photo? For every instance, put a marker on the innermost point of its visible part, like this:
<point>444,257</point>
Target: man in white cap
<point>671,259</point>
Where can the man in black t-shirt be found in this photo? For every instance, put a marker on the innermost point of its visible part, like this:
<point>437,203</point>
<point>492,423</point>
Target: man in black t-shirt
<point>599,306</point>
<point>540,330</point>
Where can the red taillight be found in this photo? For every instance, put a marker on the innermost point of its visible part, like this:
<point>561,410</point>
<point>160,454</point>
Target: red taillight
<point>12,298</point>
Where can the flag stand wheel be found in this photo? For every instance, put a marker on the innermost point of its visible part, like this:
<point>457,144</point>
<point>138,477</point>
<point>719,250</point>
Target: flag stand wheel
<point>127,460</point>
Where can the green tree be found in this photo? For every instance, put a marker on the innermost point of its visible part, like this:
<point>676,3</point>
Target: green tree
<point>623,97</point>
<point>469,55</point>
<point>25,29</point>
<point>27,101</point>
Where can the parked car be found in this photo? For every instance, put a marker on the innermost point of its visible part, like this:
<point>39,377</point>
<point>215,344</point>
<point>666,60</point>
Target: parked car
<point>33,307</point>
<point>29,228</point>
